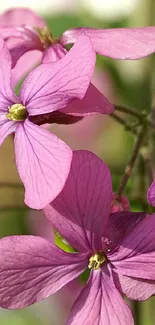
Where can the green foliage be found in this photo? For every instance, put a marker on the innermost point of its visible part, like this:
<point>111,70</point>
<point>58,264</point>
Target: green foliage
<point>18,318</point>
<point>12,222</point>
<point>62,243</point>
<point>58,24</point>
<point>84,276</point>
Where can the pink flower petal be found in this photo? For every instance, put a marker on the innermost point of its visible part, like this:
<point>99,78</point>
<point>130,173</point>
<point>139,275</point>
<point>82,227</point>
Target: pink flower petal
<point>116,43</point>
<point>7,97</point>
<point>81,210</point>
<point>25,64</point>
<point>136,255</point>
<point>21,38</point>
<point>32,268</point>
<point>136,289</point>
<point>151,194</point>
<point>11,31</point>
<point>54,53</point>
<point>6,127</point>
<point>43,162</point>
<point>20,16</point>
<point>100,303</point>
<point>30,42</point>
<point>92,103</point>
<point>52,86</point>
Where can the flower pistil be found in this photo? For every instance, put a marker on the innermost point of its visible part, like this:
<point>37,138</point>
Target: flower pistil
<point>17,112</point>
<point>46,36</point>
<point>96,260</point>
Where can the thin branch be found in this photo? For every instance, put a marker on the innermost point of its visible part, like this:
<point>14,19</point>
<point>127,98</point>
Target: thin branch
<point>122,121</point>
<point>131,161</point>
<point>150,123</point>
<point>130,111</point>
<point>142,117</point>
<point>147,157</point>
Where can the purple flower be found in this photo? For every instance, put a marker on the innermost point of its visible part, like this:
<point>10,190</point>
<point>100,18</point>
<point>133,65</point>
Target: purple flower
<point>118,248</point>
<point>42,159</point>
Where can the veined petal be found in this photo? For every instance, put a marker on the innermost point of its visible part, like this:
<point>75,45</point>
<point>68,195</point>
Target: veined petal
<point>119,225</point>
<point>53,86</point>
<point>32,268</point>
<point>100,303</point>
<point>25,64</point>
<point>6,127</point>
<point>29,41</point>
<point>80,212</point>
<point>54,53</point>
<point>116,43</point>
<point>16,26</point>
<point>134,288</point>
<point>151,194</point>
<point>136,255</point>
<point>20,16</point>
<point>7,96</point>
<point>11,31</point>
<point>92,103</point>
<point>43,162</point>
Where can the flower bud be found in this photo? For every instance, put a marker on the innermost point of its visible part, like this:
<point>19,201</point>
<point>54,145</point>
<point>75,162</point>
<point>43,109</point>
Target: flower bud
<point>119,204</point>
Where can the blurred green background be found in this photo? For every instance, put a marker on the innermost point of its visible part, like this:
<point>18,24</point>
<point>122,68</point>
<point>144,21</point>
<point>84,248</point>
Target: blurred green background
<point>130,83</point>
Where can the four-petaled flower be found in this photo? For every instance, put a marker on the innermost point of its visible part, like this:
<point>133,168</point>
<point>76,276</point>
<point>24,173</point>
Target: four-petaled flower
<point>42,159</point>
<point>30,32</point>
<point>118,248</point>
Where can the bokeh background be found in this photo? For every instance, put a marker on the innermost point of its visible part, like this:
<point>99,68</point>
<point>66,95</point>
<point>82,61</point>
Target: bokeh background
<point>130,83</point>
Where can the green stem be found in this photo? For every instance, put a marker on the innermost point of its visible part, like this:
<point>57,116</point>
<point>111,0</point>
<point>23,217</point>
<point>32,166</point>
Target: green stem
<point>142,117</point>
<point>122,121</point>
<point>147,157</point>
<point>150,123</point>
<point>130,111</point>
<point>136,312</point>
<point>131,161</point>
<point>140,183</point>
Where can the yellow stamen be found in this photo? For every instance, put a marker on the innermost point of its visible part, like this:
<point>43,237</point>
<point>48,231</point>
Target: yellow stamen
<point>46,36</point>
<point>17,112</point>
<point>96,260</point>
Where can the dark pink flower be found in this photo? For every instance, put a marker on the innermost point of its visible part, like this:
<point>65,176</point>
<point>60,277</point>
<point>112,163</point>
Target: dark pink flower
<point>42,159</point>
<point>118,248</point>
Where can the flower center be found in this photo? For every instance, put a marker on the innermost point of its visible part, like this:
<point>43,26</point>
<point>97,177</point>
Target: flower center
<point>96,260</point>
<point>17,112</point>
<point>46,36</point>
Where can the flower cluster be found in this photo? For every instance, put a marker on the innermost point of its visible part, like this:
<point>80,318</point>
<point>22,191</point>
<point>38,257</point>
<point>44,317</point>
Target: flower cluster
<point>73,188</point>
